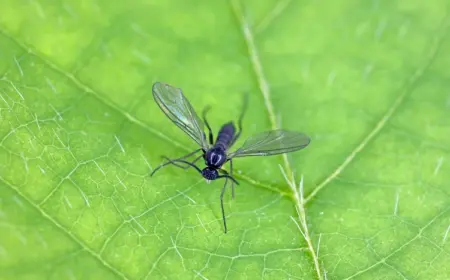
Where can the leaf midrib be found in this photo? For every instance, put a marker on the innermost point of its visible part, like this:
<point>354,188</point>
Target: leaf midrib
<point>265,91</point>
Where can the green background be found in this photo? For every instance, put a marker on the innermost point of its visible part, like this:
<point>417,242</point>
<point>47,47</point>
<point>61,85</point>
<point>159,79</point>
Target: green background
<point>80,132</point>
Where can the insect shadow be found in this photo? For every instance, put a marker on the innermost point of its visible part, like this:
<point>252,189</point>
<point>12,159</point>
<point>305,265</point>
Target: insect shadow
<point>216,153</point>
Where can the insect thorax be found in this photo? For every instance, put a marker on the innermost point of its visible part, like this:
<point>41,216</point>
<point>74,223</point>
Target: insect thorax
<point>215,157</point>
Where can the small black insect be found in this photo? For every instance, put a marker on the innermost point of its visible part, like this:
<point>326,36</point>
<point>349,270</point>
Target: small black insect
<point>178,109</point>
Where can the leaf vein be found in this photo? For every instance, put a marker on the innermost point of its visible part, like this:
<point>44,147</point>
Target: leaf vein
<point>265,91</point>
<point>408,88</point>
<point>121,111</point>
<point>384,259</point>
<point>64,230</point>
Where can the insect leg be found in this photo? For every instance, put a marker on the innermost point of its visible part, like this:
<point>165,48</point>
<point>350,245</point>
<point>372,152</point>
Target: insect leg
<point>231,174</point>
<point>227,176</point>
<point>210,134</point>
<point>175,161</point>
<point>169,161</point>
<point>241,117</point>
<point>193,162</point>
<point>172,161</point>
<point>221,205</point>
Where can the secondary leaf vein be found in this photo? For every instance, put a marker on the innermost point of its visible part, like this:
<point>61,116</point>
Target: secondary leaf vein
<point>64,230</point>
<point>409,87</point>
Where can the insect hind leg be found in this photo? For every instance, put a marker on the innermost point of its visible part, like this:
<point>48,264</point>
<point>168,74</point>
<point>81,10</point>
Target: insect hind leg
<point>241,117</point>
<point>231,174</point>
<point>226,177</point>
<point>210,134</point>
<point>221,205</point>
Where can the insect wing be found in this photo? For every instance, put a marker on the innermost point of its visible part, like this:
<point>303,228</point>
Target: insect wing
<point>178,109</point>
<point>272,143</point>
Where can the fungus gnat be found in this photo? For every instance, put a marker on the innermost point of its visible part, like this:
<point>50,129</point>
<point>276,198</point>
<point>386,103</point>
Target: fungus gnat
<point>215,154</point>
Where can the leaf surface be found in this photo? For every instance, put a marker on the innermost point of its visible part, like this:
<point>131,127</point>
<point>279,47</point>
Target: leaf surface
<point>79,133</point>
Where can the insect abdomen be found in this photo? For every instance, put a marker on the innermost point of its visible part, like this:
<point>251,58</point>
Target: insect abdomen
<point>225,135</point>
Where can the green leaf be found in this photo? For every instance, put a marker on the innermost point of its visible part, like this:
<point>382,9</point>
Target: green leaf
<point>80,132</point>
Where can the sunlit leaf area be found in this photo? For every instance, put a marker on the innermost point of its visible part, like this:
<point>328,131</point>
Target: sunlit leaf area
<point>80,133</point>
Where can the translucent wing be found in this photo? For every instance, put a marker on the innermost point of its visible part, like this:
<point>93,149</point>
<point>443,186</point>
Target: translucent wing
<point>178,109</point>
<point>272,143</point>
